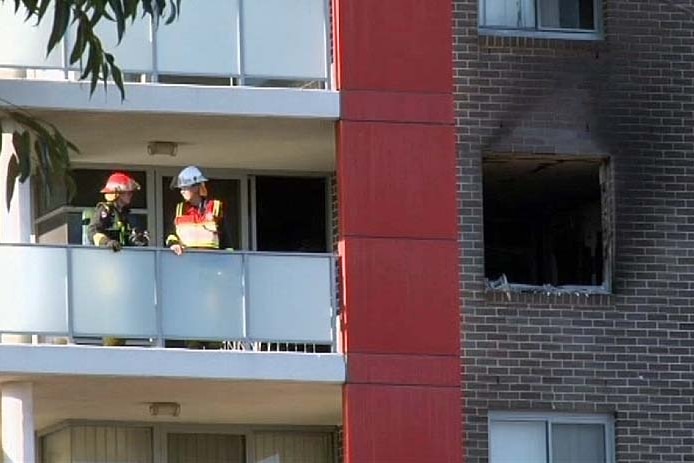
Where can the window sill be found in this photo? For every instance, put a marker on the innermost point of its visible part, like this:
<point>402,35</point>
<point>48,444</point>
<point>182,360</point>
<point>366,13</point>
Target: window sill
<point>551,35</point>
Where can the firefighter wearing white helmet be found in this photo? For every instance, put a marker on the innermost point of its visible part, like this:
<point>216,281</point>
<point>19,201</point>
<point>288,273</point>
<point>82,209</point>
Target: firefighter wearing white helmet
<point>199,221</point>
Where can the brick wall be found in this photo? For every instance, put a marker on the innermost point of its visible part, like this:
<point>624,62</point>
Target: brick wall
<point>630,353</point>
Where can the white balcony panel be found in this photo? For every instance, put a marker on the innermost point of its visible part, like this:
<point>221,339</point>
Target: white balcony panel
<point>24,44</point>
<point>290,298</point>
<point>33,289</point>
<point>133,54</point>
<point>202,296</point>
<point>113,293</point>
<point>284,38</point>
<point>200,43</point>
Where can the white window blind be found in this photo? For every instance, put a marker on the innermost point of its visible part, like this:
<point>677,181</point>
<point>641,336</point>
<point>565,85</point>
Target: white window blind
<point>88,444</point>
<point>293,447</point>
<point>205,448</point>
<point>518,442</point>
<point>517,14</point>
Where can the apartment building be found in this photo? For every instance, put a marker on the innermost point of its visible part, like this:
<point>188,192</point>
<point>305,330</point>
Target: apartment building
<point>328,131</point>
<point>574,130</point>
<point>462,234</point>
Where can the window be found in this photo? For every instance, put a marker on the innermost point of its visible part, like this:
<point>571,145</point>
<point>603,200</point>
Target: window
<point>516,437</point>
<point>63,221</point>
<point>80,442</point>
<point>265,213</point>
<point>572,16</point>
<point>546,223</point>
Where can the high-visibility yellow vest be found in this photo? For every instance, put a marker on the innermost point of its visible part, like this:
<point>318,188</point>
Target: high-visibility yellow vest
<point>196,229</point>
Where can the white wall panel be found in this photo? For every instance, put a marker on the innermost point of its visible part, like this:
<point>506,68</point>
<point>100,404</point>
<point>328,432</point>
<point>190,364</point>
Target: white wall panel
<point>133,53</point>
<point>290,298</point>
<point>202,41</point>
<point>284,38</point>
<point>202,296</point>
<point>33,288</point>
<point>23,43</point>
<point>113,293</point>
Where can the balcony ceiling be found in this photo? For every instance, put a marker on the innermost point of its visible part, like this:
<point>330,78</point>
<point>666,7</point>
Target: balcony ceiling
<point>246,143</point>
<point>57,398</point>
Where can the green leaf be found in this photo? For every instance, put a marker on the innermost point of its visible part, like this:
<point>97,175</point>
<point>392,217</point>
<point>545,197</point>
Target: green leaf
<point>12,174</point>
<point>43,7</point>
<point>61,19</point>
<point>22,148</point>
<point>80,44</point>
<point>116,73</point>
<point>118,12</point>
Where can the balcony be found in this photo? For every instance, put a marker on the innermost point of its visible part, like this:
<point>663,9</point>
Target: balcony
<point>277,43</point>
<point>151,297</point>
<point>220,57</point>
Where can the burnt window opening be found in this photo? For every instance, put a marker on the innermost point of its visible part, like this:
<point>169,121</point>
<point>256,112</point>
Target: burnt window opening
<point>543,222</point>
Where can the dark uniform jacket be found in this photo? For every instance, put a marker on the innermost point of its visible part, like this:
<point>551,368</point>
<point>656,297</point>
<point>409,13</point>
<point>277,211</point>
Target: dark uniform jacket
<point>109,223</point>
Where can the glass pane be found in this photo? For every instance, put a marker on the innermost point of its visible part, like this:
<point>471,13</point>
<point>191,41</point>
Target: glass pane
<point>133,53</point>
<point>578,443</point>
<point>518,442</point>
<point>567,14</point>
<point>518,14</point>
<point>202,40</point>
<point>290,214</point>
<point>293,447</point>
<point>226,190</point>
<point>24,42</point>
<point>113,293</point>
<point>284,38</point>
<point>205,448</point>
<point>112,444</point>
<point>44,200</point>
<point>89,183</point>
<point>289,298</point>
<point>23,308</point>
<point>215,309</point>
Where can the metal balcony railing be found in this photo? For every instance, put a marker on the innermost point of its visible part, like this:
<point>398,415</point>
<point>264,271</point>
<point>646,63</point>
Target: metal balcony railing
<point>249,298</point>
<point>278,43</point>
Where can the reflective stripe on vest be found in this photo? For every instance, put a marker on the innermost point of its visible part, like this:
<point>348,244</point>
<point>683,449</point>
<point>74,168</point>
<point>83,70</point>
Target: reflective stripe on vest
<point>198,231</point>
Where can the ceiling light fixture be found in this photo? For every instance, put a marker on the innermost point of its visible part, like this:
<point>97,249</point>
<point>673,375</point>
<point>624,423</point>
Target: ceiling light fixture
<point>162,148</point>
<point>164,409</point>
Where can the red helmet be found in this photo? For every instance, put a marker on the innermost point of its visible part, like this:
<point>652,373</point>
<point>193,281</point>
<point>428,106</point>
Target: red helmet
<point>119,182</point>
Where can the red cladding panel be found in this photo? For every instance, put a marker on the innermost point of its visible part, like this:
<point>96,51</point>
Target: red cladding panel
<point>390,424</point>
<point>402,45</point>
<point>433,108</point>
<point>397,180</point>
<point>401,296</point>
<point>419,370</point>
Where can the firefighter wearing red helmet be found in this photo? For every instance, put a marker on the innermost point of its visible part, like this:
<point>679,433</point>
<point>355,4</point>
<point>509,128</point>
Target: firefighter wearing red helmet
<point>110,224</point>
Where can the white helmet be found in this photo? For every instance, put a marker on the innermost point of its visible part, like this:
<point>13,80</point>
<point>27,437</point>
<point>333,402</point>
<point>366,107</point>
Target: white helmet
<point>189,176</point>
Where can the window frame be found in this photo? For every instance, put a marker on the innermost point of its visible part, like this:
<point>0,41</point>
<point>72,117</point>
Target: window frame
<point>544,32</point>
<point>550,418</point>
<point>607,220</point>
